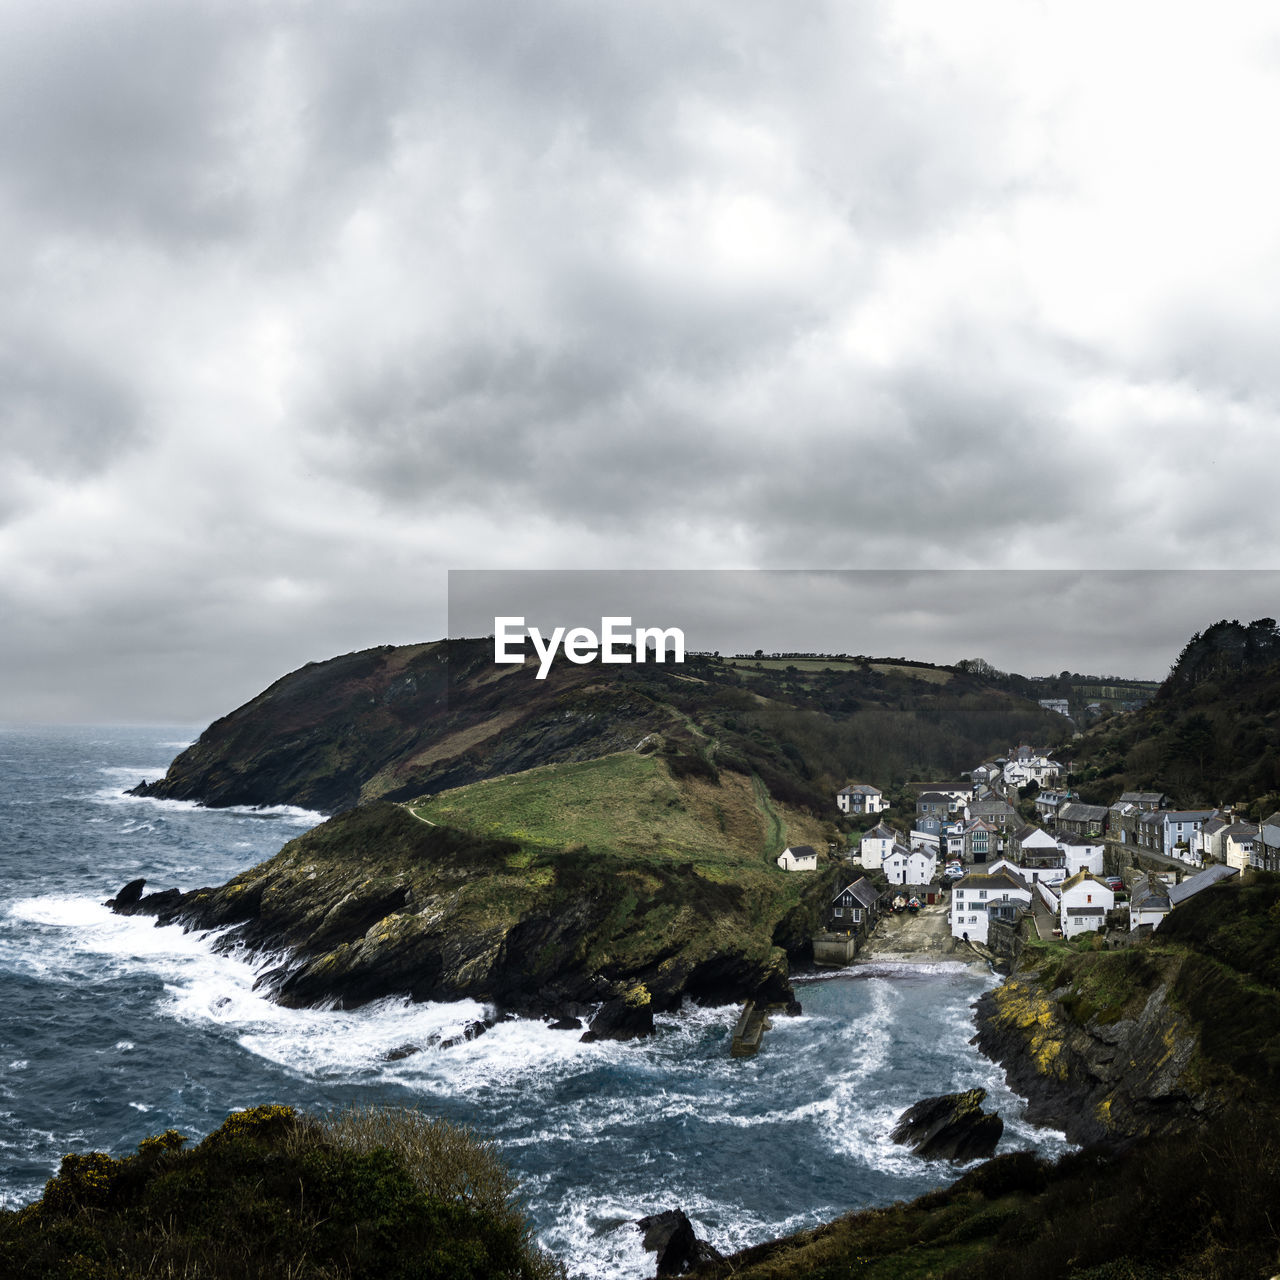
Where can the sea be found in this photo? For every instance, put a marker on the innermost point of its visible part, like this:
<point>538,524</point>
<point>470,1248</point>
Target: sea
<point>112,1028</point>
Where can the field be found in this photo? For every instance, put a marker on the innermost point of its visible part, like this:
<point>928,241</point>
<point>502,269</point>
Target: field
<point>629,804</point>
<point>932,675</point>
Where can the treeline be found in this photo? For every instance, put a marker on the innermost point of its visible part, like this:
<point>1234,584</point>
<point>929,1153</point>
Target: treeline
<point>1211,734</point>
<point>806,734</point>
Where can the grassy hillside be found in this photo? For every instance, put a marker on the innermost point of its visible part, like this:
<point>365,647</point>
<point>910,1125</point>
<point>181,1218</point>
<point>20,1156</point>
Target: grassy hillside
<point>397,723</point>
<point>630,803</point>
<point>557,887</point>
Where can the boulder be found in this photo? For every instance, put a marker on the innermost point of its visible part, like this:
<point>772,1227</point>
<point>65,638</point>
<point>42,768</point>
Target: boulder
<point>131,901</point>
<point>128,895</point>
<point>950,1127</point>
<point>620,1019</point>
<point>671,1236</point>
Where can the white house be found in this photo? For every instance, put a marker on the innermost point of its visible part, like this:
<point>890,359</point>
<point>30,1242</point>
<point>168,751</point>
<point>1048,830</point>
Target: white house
<point>798,857</point>
<point>1030,766</point>
<point>975,893</point>
<point>876,845</point>
<point>947,797</point>
<point>916,866</point>
<point>1148,902</point>
<point>1081,853</point>
<point>1085,901</point>
<point>860,797</point>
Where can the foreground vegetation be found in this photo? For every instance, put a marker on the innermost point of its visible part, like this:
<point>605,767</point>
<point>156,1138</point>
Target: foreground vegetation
<point>1186,1207</point>
<point>379,1193</point>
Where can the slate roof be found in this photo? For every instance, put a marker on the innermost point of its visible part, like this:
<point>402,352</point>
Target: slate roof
<point>1077,812</point>
<point>1003,880</point>
<point>1080,877</point>
<point>1149,895</point>
<point>1246,829</point>
<point>1201,880</point>
<point>862,890</point>
<point>880,832</point>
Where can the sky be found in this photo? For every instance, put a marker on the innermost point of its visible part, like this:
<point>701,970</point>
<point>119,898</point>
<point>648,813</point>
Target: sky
<point>305,304</point>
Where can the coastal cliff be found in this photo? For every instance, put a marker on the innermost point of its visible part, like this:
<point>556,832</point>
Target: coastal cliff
<point>1150,1039</point>
<point>384,900</point>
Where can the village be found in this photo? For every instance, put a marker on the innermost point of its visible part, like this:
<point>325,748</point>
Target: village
<point>1009,852</point>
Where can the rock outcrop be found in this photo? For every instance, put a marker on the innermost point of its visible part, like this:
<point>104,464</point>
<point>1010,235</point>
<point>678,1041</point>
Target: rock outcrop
<point>671,1236</point>
<point>952,1126</point>
<point>376,903</point>
<point>1098,1077</point>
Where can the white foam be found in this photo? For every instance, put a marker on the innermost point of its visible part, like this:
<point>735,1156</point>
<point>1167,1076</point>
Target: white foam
<point>292,815</point>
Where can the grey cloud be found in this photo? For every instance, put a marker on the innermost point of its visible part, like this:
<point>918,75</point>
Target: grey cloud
<point>302,301</point>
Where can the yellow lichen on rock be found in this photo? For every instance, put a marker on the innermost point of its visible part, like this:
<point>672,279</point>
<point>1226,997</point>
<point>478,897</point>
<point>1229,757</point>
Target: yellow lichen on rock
<point>1027,1009</point>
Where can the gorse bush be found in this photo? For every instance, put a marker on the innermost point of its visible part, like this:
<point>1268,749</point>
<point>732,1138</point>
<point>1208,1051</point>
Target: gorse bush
<point>273,1195</point>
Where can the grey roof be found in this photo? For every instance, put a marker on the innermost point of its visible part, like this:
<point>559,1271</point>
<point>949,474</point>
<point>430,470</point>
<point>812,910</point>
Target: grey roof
<point>1186,815</point>
<point>1070,837</point>
<point>1149,895</point>
<point>932,797</point>
<point>863,890</point>
<point>1201,880</point>
<point>1087,911</point>
<point>859,789</point>
<point>1241,829</point>
<point>1142,797</point>
<point>1077,812</point>
<point>992,805</point>
<point>1000,880</point>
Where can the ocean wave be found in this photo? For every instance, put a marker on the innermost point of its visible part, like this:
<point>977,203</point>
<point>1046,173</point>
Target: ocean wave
<point>292,815</point>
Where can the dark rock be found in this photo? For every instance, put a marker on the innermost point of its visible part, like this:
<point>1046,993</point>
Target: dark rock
<point>950,1127</point>
<point>1110,1081</point>
<point>403,1051</point>
<point>128,895</point>
<point>671,1236</point>
<point>131,901</point>
<point>619,1020</point>
<point>470,1032</point>
<point>565,1024</point>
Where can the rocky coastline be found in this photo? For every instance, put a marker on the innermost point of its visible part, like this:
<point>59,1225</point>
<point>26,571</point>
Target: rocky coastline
<point>375,903</point>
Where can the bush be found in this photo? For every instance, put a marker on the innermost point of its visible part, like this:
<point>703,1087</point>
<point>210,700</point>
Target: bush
<point>379,1193</point>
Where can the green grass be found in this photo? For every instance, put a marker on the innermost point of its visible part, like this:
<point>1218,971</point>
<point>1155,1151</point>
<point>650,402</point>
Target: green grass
<point>626,804</point>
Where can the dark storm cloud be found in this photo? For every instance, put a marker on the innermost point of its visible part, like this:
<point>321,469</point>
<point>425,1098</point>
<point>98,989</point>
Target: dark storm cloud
<point>303,304</point>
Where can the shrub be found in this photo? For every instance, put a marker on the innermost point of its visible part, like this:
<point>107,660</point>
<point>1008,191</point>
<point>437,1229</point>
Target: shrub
<point>382,1193</point>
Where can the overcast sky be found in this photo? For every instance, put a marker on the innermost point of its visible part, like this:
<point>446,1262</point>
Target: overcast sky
<point>304,304</point>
